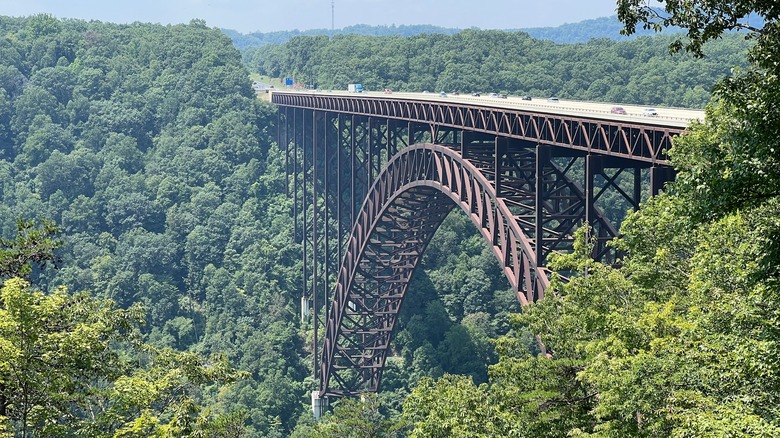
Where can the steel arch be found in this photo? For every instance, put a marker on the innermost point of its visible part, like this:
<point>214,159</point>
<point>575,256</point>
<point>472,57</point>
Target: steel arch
<point>406,204</point>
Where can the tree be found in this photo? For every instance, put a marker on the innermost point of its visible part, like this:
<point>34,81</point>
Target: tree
<point>126,136</point>
<point>702,20</point>
<point>730,162</point>
<point>356,418</point>
<point>62,374</point>
<point>33,246</point>
<point>452,407</point>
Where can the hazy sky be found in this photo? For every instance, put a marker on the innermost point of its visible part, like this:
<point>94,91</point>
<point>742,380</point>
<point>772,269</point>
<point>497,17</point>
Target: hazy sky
<point>266,16</point>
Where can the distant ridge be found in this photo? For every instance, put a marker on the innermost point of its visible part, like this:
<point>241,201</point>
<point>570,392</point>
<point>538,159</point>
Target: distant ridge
<point>569,33</point>
<point>256,39</point>
<point>583,31</point>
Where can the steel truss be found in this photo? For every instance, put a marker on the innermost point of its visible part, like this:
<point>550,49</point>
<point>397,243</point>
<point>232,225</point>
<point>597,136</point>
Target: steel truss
<point>369,193</point>
<point>647,141</point>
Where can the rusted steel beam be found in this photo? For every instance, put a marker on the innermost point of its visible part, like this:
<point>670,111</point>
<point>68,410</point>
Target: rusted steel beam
<point>637,141</point>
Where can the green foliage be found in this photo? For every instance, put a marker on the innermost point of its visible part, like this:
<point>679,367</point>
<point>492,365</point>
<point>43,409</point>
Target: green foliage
<point>703,21</point>
<point>32,246</point>
<point>451,407</point>
<point>638,71</point>
<point>148,145</point>
<point>59,362</point>
<point>356,418</point>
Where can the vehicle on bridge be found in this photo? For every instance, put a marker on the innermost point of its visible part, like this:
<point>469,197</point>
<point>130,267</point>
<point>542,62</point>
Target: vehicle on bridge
<point>650,112</point>
<point>526,98</point>
<point>617,110</point>
<point>355,88</point>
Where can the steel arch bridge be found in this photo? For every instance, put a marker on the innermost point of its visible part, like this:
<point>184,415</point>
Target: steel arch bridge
<point>373,177</point>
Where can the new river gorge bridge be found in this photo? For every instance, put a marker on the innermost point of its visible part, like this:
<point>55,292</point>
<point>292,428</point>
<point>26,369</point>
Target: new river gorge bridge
<point>373,175</point>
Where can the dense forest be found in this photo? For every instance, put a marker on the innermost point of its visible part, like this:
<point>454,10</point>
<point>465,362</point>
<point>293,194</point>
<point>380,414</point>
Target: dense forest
<point>153,288</point>
<point>149,149</point>
<point>639,71</point>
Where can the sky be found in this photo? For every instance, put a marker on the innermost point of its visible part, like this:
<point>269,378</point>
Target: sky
<point>248,16</point>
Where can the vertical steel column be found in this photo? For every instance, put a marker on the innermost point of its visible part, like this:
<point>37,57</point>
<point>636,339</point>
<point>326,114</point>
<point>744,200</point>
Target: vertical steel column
<point>295,175</point>
<point>637,187</point>
<point>498,160</point>
<point>465,139</point>
<point>659,175</point>
<point>370,155</point>
<point>391,146</point>
<point>594,164</point>
<point>305,232</point>
<point>326,180</point>
<point>542,159</point>
<point>314,240</point>
<point>589,176</point>
<point>286,147</point>
<point>352,173</point>
<point>339,178</point>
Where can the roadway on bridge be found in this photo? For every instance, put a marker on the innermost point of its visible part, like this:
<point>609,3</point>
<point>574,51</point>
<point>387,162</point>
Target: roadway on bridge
<point>672,117</point>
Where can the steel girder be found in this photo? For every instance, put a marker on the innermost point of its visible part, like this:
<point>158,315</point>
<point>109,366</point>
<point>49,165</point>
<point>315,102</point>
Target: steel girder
<point>645,142</point>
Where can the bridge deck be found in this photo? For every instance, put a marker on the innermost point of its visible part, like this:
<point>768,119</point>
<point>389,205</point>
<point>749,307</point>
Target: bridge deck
<point>586,126</point>
<point>667,117</point>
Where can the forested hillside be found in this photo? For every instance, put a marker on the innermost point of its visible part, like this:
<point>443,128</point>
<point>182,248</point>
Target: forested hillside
<point>257,39</point>
<point>147,146</point>
<point>568,33</point>
<point>586,30</point>
<point>638,71</point>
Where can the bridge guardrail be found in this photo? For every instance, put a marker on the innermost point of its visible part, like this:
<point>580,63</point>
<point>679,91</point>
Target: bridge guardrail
<point>538,103</point>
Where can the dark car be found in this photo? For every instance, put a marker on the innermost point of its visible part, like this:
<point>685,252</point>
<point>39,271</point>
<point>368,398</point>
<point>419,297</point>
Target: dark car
<point>475,94</point>
<point>526,98</point>
<point>553,99</point>
<point>502,96</point>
